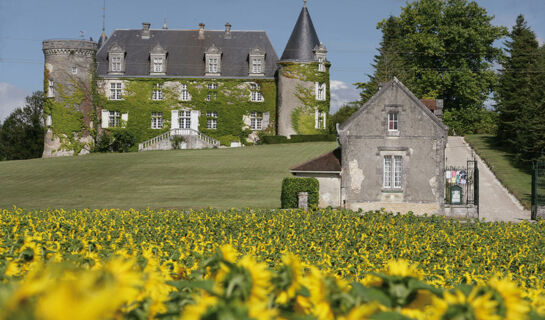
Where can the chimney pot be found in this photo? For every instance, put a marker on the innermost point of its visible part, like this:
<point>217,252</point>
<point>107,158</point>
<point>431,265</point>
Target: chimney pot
<point>145,30</point>
<point>201,31</point>
<point>227,30</point>
<point>146,25</point>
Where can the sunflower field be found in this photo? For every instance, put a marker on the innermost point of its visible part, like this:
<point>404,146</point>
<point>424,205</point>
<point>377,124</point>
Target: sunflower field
<point>266,264</point>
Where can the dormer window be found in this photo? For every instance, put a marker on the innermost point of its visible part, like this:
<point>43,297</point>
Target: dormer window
<point>256,62</point>
<point>212,61</point>
<point>116,57</point>
<point>320,91</point>
<point>392,121</point>
<point>158,60</point>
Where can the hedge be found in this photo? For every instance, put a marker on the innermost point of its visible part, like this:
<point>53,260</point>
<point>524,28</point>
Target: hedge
<point>298,138</point>
<point>291,188</point>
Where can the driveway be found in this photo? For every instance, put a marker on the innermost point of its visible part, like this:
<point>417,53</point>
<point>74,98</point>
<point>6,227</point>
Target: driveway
<point>496,203</point>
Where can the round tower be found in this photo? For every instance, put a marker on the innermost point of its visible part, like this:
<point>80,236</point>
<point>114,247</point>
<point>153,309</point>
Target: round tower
<point>68,82</point>
<point>303,81</point>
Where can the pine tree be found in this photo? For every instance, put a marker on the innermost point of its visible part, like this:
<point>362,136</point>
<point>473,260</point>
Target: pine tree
<point>516,97</point>
<point>388,63</point>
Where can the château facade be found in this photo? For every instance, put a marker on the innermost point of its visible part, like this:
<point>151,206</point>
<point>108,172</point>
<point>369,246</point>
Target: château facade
<point>209,87</point>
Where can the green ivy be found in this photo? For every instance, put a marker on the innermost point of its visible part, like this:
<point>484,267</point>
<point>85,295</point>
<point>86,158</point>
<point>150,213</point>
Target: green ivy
<point>231,101</point>
<point>303,117</point>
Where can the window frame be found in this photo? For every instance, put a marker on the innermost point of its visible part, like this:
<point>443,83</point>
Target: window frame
<point>158,64</point>
<point>116,90</point>
<point>116,63</point>
<point>157,120</point>
<point>256,120</point>
<point>114,119</point>
<point>157,92</point>
<point>184,94</point>
<point>392,172</point>
<point>393,121</point>
<point>255,93</point>
<point>321,92</point>
<point>184,119</point>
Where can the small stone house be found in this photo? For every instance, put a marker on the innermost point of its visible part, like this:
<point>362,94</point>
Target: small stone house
<point>391,156</point>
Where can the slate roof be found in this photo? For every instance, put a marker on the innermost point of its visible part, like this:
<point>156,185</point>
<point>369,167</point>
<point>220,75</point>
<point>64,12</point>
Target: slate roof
<point>328,162</point>
<point>302,41</point>
<point>185,52</point>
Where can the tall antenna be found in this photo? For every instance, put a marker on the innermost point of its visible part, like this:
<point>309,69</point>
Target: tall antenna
<point>305,4</point>
<point>104,16</point>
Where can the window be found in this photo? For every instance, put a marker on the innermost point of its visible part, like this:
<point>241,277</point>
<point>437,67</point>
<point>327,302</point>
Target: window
<point>116,64</point>
<point>50,89</point>
<point>115,119</point>
<point>156,120</point>
<point>185,119</point>
<point>157,92</point>
<point>392,172</point>
<point>256,65</point>
<point>319,120</point>
<point>392,121</point>
<point>321,66</point>
<point>185,93</point>
<point>115,91</point>
<point>157,64</point>
<point>212,95</point>
<point>74,70</point>
<point>256,118</point>
<point>256,95</point>
<point>320,91</point>
<point>213,65</point>
<point>212,122</point>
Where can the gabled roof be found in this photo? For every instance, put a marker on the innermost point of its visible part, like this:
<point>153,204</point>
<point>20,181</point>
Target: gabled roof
<point>186,52</point>
<point>385,88</point>
<point>302,41</point>
<point>328,162</point>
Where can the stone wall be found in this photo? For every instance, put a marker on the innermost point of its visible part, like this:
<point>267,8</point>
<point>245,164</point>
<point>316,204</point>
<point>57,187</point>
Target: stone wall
<point>288,101</point>
<point>330,187</point>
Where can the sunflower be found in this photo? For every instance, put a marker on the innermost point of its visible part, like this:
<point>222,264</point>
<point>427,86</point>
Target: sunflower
<point>195,311</point>
<point>402,268</point>
<point>457,305</point>
<point>515,306</point>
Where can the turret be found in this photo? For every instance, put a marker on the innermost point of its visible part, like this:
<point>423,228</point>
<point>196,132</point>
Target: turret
<point>68,76</point>
<point>303,81</point>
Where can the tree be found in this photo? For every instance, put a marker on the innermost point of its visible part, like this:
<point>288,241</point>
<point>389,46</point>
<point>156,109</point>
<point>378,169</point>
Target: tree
<point>341,116</point>
<point>22,133</point>
<point>446,51</point>
<point>518,93</point>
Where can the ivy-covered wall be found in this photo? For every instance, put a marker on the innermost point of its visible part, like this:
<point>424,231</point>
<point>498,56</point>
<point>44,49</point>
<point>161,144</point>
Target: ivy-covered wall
<point>303,116</point>
<point>231,101</point>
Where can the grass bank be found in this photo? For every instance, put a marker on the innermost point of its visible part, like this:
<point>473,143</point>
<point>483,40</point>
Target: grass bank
<point>516,178</point>
<point>221,178</point>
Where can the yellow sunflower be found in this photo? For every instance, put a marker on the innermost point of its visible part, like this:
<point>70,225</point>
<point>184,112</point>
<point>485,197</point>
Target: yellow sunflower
<point>457,304</point>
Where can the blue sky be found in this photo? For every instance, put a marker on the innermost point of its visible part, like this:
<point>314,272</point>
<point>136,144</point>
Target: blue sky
<point>346,27</point>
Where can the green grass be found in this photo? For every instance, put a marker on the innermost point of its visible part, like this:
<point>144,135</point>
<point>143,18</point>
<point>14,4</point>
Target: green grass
<point>516,178</point>
<point>220,178</point>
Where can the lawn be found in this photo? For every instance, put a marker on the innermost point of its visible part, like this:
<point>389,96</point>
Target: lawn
<point>220,178</point>
<point>516,178</point>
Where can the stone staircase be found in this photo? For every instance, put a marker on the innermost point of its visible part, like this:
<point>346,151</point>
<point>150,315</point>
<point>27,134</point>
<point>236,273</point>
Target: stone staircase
<point>193,139</point>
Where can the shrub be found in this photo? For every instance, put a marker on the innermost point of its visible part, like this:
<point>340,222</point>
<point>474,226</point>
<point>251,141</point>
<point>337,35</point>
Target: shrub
<point>312,137</point>
<point>274,139</point>
<point>226,140</point>
<point>104,143</point>
<point>123,140</point>
<point>176,142</point>
<point>291,188</point>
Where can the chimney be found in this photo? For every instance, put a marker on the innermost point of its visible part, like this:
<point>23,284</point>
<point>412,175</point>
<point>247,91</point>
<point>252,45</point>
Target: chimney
<point>227,31</point>
<point>201,31</point>
<point>145,30</point>
<point>439,108</point>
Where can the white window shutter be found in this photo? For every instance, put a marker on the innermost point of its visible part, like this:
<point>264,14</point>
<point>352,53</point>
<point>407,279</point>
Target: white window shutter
<point>105,118</point>
<point>316,87</point>
<point>48,121</point>
<point>174,121</point>
<point>124,119</point>
<point>265,121</point>
<point>316,119</point>
<point>195,120</point>
<point>324,119</point>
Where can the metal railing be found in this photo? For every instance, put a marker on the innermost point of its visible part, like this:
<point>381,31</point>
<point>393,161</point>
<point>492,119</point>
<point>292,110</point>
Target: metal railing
<point>146,145</point>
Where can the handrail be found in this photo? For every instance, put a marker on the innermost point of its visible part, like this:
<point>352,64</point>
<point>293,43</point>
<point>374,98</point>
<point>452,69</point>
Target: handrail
<point>177,132</point>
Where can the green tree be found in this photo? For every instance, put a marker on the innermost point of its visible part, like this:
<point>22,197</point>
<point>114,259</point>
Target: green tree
<point>446,48</point>
<point>341,116</point>
<point>519,92</point>
<point>388,63</point>
<point>22,133</point>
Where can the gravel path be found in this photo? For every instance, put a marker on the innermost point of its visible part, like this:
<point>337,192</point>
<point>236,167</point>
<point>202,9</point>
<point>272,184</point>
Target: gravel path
<point>496,203</point>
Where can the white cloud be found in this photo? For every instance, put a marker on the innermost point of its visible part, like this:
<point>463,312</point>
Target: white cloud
<point>342,93</point>
<point>11,98</point>
<point>540,40</point>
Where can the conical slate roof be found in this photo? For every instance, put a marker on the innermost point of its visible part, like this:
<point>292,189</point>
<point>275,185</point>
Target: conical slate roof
<point>303,39</point>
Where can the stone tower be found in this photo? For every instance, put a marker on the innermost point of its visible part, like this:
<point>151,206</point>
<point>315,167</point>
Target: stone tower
<point>303,81</point>
<point>68,86</point>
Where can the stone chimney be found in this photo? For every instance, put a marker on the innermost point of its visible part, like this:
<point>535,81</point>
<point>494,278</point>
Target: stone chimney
<point>227,31</point>
<point>439,108</point>
<point>201,31</point>
<point>145,30</point>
